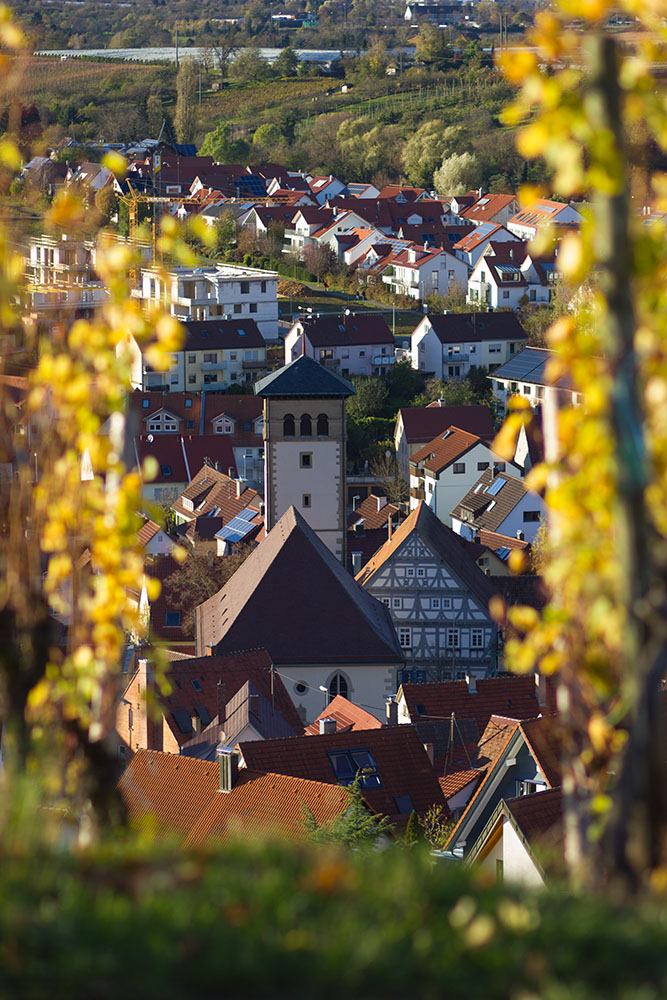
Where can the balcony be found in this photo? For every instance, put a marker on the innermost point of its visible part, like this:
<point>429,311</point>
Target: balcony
<point>417,493</point>
<point>455,359</point>
<point>255,366</point>
<point>213,366</point>
<point>384,359</point>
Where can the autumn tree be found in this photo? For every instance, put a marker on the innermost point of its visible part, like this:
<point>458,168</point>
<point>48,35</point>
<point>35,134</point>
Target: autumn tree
<point>200,577</point>
<point>185,118</point>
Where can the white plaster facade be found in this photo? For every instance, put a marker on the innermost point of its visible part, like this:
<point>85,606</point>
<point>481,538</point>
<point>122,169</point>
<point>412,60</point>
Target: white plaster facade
<point>452,361</point>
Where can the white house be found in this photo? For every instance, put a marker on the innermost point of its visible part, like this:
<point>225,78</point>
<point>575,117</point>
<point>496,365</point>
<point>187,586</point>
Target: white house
<point>507,276</point>
<point>218,291</point>
<point>445,469</point>
<point>353,344</point>
<point>449,345</point>
<point>418,272</point>
<point>502,503</point>
<point>528,221</point>
<point>471,247</point>
<point>494,208</point>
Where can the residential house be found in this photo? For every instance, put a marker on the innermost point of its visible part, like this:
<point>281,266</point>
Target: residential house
<point>204,691</point>
<point>396,775</point>
<point>212,493</point>
<point>294,598</point>
<point>448,346</point>
<point>446,468</point>
<point>508,276</point>
<point>326,187</point>
<point>528,222</point>
<point>353,344</point>
<point>417,425</point>
<point>418,272</point>
<point>523,840</point>
<point>306,223</point>
<point>154,540</point>
<point>361,190</point>
<point>528,763</point>
<point>216,354</point>
<point>496,209</point>
<point>501,503</point>
<point>368,527</point>
<point>471,246</point>
<point>240,418</point>
<point>62,284</point>
<point>175,457</point>
<point>203,803</point>
<point>214,292</point>
<point>342,716</point>
<point>438,600</point>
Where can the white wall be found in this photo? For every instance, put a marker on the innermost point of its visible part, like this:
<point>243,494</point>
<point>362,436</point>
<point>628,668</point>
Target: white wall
<point>291,482</point>
<point>518,866</point>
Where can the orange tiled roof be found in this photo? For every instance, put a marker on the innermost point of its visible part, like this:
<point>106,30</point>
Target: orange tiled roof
<point>444,448</point>
<point>453,783</point>
<point>347,715</point>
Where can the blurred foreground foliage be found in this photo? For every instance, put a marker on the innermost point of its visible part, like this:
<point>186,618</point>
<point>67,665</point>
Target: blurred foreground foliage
<point>264,919</point>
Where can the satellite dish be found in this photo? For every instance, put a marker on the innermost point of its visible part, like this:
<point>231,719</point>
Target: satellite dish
<point>150,439</point>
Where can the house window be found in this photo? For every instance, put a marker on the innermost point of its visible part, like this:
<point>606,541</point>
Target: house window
<point>145,403</point>
<point>165,470</point>
<point>498,466</point>
<point>170,427</point>
<point>192,379</point>
<point>326,354</point>
<point>210,377</point>
<point>405,638</point>
<point>472,349</point>
<point>386,602</point>
<point>174,380</point>
<point>189,425</point>
<point>263,286</point>
<point>527,389</point>
<point>172,619</point>
<point>410,571</point>
<point>155,426</point>
<point>338,686</point>
<point>253,307</point>
<point>531,515</point>
<point>305,500</point>
<point>288,425</point>
<point>245,288</point>
<point>446,603</point>
<point>192,358</point>
<point>481,466</point>
<point>306,459</point>
<point>196,684</point>
<point>452,638</point>
<point>454,371</point>
<point>506,293</point>
<point>396,602</point>
<point>210,358</point>
<point>450,275</point>
<point>347,764</point>
<point>345,352</point>
<point>421,571</point>
<point>322,425</point>
<point>539,391</point>
<point>435,604</point>
<point>477,638</point>
<point>188,404</point>
<point>362,354</point>
<point>494,348</point>
<point>306,426</point>
<point>529,787</point>
<point>459,468</point>
<point>238,308</point>
<point>232,357</point>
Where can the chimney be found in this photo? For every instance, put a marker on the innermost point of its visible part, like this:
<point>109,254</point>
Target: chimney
<point>471,681</point>
<point>390,528</point>
<point>230,472</point>
<point>222,702</point>
<point>228,763</point>
<point>391,708</point>
<point>253,705</point>
<point>327,726</point>
<point>356,563</point>
<point>541,689</point>
<point>381,502</point>
<point>210,650</point>
<point>520,535</point>
<point>217,465</point>
<point>196,724</point>
<point>239,487</point>
<point>430,752</point>
<point>261,508</point>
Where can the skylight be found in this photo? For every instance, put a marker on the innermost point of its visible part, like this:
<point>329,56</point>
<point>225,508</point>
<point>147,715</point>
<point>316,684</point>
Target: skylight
<point>496,486</point>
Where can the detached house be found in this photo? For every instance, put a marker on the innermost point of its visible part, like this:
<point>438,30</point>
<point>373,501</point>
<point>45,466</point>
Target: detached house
<point>354,344</point>
<point>443,471</point>
<point>448,346</point>
<point>500,503</point>
<point>507,276</point>
<point>471,246</point>
<point>418,272</point>
<point>527,222</point>
<point>494,208</point>
<point>417,425</point>
<point>438,600</point>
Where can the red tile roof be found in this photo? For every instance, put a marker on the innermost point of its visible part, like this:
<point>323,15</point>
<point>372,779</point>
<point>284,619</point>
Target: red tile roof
<point>373,512</point>
<point>545,740</point>
<point>539,816</point>
<point>486,209</point>
<point>166,793</point>
<point>147,531</point>
<point>455,782</point>
<point>512,697</point>
<point>444,449</point>
<point>346,715</point>
<point>194,684</point>
<point>402,764</point>
<point>421,424</point>
<point>182,455</point>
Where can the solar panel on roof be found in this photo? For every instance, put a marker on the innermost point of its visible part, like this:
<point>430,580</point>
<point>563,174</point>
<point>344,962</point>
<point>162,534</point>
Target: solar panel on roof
<point>503,552</point>
<point>496,487</point>
<point>237,528</point>
<point>247,514</point>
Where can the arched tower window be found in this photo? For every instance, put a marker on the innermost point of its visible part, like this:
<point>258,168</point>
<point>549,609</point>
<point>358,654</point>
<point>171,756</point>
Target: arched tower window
<point>288,425</point>
<point>322,425</point>
<point>306,426</point>
<point>338,685</point>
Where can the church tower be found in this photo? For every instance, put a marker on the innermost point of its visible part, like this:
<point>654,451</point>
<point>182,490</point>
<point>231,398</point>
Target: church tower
<point>304,448</point>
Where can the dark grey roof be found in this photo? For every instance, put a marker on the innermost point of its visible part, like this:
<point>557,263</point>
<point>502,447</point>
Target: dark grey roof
<point>529,366</point>
<point>477,500</point>
<point>304,377</point>
<point>202,335</point>
<point>453,328</point>
<point>357,328</point>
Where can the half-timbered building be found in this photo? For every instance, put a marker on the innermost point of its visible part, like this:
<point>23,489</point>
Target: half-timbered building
<point>438,599</point>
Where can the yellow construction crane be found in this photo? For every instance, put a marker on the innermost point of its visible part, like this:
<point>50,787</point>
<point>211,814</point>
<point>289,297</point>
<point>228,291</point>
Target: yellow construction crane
<point>133,199</point>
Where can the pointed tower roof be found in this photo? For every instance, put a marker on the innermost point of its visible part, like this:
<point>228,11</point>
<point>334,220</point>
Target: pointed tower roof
<point>304,377</point>
<point>292,596</point>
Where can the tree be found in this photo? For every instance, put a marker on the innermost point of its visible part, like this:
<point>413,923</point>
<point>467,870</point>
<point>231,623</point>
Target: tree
<point>370,394</point>
<point>106,203</point>
<point>432,47</point>
<point>425,149</point>
<point>460,172</point>
<point>359,827</point>
<point>267,143</point>
<point>287,63</point>
<point>154,114</point>
<point>319,260</point>
<point>222,146</point>
<point>223,47</point>
<point>200,577</point>
<point>249,67</point>
<point>226,231</point>
<point>185,118</point>
<point>387,471</point>
<point>453,393</point>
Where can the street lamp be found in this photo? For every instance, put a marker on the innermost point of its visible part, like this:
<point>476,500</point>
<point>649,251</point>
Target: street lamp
<point>325,691</point>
